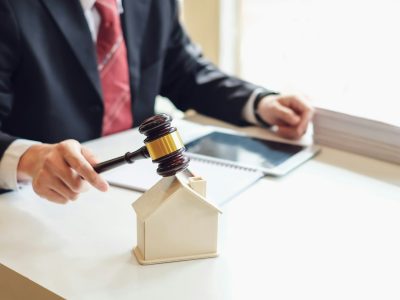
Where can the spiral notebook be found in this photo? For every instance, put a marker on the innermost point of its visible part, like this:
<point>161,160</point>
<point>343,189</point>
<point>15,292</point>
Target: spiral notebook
<point>224,181</point>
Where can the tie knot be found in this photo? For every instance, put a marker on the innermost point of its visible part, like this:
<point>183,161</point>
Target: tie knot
<point>107,9</point>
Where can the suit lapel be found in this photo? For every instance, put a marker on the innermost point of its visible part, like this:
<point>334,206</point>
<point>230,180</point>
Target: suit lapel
<point>69,17</point>
<point>135,20</point>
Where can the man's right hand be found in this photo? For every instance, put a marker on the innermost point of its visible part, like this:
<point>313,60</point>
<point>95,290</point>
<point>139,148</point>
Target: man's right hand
<point>59,172</point>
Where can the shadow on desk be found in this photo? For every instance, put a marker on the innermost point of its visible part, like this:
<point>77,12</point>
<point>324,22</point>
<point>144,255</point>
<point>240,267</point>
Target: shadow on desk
<point>14,286</point>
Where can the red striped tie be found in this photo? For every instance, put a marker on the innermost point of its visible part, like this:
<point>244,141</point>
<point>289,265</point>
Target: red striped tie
<point>113,68</point>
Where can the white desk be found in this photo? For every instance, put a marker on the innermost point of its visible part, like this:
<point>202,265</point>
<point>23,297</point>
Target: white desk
<point>328,230</point>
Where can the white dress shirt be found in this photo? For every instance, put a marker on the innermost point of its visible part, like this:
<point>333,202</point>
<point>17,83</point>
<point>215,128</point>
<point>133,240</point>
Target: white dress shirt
<point>11,157</point>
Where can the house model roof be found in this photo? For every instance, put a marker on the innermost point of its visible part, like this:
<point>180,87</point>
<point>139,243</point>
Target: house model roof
<point>162,191</point>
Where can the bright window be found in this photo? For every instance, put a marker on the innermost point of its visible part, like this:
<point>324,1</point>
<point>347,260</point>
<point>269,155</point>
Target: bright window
<point>344,54</point>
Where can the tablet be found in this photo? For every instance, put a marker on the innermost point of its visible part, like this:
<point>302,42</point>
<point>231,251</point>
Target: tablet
<point>271,157</point>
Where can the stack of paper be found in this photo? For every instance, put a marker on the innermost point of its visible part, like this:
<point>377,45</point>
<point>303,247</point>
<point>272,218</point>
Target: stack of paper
<point>356,134</point>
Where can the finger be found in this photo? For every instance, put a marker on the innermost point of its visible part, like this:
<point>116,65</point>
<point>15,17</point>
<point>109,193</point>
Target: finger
<point>92,159</point>
<point>74,182</point>
<point>302,127</point>
<point>42,186</point>
<point>78,162</point>
<point>88,154</point>
<point>289,132</point>
<point>287,115</point>
<point>85,187</point>
<point>59,168</point>
<point>280,123</point>
<point>306,118</point>
<point>53,196</point>
<point>295,102</point>
<point>302,107</point>
<point>57,185</point>
<point>84,169</point>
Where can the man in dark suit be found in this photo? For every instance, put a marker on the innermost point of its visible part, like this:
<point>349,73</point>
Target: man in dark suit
<point>75,70</point>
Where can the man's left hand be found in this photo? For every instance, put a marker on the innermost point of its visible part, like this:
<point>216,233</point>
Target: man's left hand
<point>291,114</point>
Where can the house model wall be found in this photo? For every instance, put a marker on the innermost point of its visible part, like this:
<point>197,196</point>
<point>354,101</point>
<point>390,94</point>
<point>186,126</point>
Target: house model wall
<point>176,222</point>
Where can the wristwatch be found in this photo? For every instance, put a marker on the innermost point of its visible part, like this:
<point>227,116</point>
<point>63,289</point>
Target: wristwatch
<point>255,108</point>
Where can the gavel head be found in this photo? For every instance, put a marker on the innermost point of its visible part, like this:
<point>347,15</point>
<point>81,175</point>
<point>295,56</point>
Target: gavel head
<point>164,145</point>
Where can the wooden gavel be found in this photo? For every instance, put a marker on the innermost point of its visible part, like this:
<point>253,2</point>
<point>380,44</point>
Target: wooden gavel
<point>162,144</point>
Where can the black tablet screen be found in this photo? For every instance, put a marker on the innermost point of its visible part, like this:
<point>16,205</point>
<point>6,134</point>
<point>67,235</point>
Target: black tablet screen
<point>243,149</point>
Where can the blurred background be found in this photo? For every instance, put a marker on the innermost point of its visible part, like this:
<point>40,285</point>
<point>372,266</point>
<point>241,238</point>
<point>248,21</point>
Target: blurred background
<point>342,54</point>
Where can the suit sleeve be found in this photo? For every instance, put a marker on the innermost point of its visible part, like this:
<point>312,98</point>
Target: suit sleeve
<point>190,81</point>
<point>9,58</point>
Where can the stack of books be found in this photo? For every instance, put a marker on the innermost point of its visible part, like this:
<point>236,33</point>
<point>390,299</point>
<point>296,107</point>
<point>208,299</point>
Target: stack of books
<point>356,134</point>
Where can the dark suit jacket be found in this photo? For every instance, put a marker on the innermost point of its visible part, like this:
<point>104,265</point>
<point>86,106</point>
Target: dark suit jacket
<point>49,83</point>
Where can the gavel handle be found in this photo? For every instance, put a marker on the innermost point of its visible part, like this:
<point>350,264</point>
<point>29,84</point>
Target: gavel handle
<point>129,158</point>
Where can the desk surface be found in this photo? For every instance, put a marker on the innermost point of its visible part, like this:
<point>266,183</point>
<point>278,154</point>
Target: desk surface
<point>328,230</point>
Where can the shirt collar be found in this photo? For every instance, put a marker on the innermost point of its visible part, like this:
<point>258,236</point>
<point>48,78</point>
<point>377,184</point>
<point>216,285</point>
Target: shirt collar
<point>88,4</point>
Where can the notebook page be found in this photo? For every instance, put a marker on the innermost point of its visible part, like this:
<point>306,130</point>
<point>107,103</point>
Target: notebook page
<point>223,181</point>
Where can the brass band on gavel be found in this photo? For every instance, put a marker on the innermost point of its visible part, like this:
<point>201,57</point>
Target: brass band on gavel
<point>164,145</point>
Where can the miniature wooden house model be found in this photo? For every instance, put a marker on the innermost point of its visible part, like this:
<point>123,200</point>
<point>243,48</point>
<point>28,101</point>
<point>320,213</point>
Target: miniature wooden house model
<point>176,222</point>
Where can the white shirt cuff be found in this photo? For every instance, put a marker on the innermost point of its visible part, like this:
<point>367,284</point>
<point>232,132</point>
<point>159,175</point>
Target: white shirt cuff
<point>9,163</point>
<point>248,113</point>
